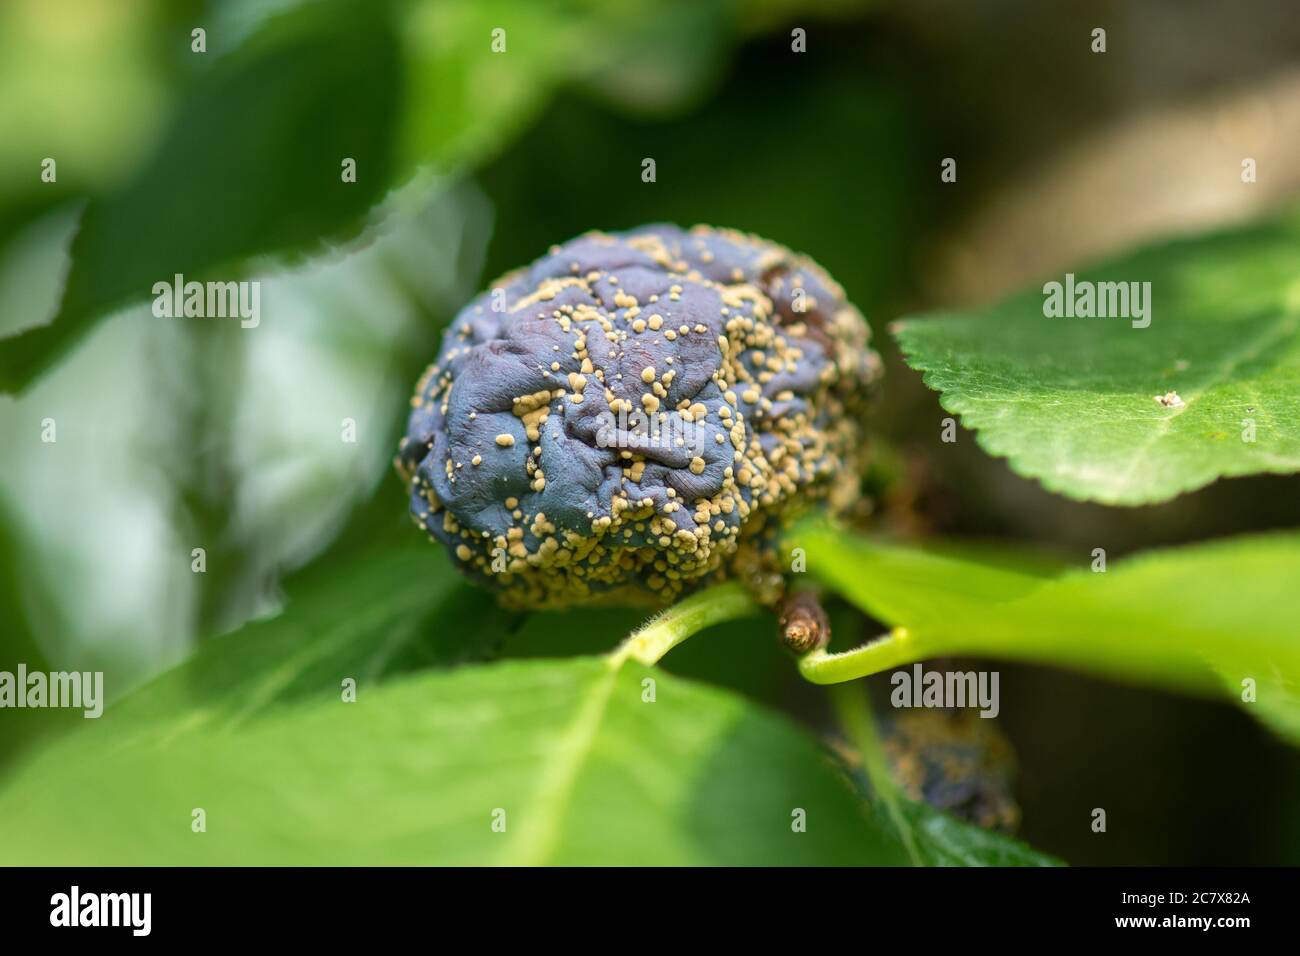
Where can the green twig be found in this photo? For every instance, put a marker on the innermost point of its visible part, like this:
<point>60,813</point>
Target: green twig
<point>856,719</point>
<point>722,602</point>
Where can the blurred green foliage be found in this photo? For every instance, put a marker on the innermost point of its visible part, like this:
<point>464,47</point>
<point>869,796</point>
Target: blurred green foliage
<point>470,162</point>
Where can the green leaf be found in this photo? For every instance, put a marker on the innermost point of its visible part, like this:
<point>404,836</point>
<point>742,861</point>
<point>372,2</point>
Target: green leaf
<point>1072,401</point>
<point>250,165</point>
<point>368,616</point>
<point>943,841</point>
<point>413,772</point>
<point>1201,618</point>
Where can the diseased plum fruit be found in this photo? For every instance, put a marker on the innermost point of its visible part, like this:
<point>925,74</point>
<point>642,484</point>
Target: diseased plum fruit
<point>636,414</point>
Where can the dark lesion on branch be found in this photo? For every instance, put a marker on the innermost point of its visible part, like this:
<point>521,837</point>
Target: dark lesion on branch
<point>802,622</point>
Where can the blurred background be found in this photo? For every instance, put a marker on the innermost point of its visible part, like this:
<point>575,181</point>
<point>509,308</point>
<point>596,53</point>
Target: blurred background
<point>175,434</point>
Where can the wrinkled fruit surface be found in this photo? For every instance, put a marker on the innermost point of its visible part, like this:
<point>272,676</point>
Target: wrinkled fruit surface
<point>635,414</point>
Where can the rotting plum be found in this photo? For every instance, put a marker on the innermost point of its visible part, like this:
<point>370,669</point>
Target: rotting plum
<point>636,414</point>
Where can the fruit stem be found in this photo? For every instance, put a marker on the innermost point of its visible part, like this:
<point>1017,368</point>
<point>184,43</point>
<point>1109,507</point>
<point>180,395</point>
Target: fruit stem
<point>722,602</point>
<point>897,647</point>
